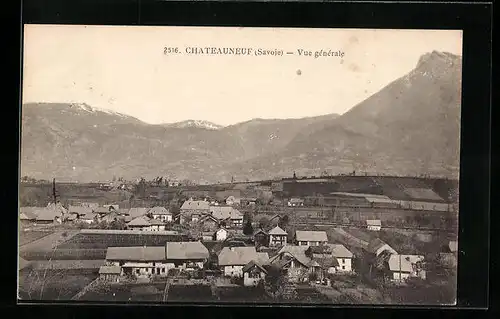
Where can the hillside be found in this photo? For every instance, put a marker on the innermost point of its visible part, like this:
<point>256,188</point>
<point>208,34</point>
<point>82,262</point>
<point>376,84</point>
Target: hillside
<point>409,127</point>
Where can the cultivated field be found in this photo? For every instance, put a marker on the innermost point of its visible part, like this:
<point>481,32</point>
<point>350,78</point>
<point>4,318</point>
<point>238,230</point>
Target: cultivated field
<point>103,241</point>
<point>26,237</point>
<point>190,293</point>
<point>64,254</point>
<point>126,292</point>
<point>53,284</point>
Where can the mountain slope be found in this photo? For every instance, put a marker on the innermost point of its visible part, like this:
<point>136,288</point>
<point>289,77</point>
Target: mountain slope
<point>411,126</point>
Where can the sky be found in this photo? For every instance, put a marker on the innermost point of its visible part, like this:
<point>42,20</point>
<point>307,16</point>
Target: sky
<point>124,69</point>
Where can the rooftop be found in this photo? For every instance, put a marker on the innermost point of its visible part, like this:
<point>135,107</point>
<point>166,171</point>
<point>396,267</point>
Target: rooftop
<point>195,204</point>
<point>278,231</point>
<point>186,250</point>
<point>225,212</point>
<point>373,222</point>
<point>159,210</point>
<point>144,253</point>
<point>231,256</point>
<point>112,270</point>
<point>310,235</point>
<point>399,264</point>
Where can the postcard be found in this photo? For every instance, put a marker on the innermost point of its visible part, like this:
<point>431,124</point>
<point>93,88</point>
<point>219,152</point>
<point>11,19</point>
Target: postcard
<point>232,164</point>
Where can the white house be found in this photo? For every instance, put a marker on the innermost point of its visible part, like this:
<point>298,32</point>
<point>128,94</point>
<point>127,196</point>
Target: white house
<point>186,255</point>
<point>221,234</point>
<point>146,224</point>
<point>277,237</point>
<point>374,224</point>
<point>160,213</point>
<point>310,238</point>
<point>295,202</point>
<point>138,261</point>
<point>231,260</point>
<point>343,256</point>
<point>399,267</point>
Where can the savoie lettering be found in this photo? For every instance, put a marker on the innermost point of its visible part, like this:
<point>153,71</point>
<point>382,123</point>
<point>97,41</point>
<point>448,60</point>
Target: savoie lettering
<point>272,52</point>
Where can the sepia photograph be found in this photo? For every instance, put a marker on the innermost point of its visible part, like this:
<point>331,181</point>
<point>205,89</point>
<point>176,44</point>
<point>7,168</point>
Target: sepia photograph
<point>245,165</point>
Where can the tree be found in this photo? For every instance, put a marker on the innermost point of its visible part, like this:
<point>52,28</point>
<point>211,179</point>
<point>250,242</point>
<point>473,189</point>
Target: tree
<point>248,228</point>
<point>284,221</point>
<point>277,286</point>
<point>264,223</point>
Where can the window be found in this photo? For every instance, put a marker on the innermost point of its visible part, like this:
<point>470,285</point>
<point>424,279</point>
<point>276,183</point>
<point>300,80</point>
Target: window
<point>137,271</point>
<point>163,270</point>
<point>343,267</point>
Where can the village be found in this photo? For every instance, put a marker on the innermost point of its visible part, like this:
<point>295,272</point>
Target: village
<point>310,240</point>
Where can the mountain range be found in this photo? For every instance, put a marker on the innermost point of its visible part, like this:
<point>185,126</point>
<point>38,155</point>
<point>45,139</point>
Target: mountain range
<point>410,127</point>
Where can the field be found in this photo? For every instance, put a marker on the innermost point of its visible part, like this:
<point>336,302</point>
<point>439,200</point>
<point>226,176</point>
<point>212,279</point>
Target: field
<point>128,292</point>
<point>53,284</point>
<point>68,264</point>
<point>65,254</point>
<point>190,293</point>
<point>26,237</point>
<point>103,241</point>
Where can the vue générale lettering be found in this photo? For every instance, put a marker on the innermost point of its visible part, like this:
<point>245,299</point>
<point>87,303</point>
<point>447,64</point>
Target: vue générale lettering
<point>193,50</point>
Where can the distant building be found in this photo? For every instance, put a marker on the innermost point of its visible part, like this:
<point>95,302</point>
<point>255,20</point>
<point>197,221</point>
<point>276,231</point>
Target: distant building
<point>186,255</point>
<point>403,267</point>
<point>253,273</point>
<point>145,223</point>
<point>89,205</point>
<point>377,246</point>
<point>295,202</point>
<point>208,223</point>
<point>374,224</point>
<point>277,237</point>
<point>194,207</point>
<point>310,238</point>
<point>115,207</point>
<point>260,237</point>
<point>230,215</point>
<point>294,262</point>
<point>161,213</point>
<point>48,216</point>
<point>110,273</point>
<point>231,260</point>
<point>232,201</point>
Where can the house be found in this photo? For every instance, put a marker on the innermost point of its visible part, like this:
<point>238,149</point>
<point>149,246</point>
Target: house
<point>186,255</point>
<point>253,273</point>
<point>400,268</point>
<point>230,215</point>
<point>48,216</point>
<point>231,260</point>
<point>260,237</point>
<point>310,238</point>
<point>332,257</point>
<point>344,257</point>
<point>208,223</point>
<point>79,211</point>
<point>294,262</point>
<point>377,246</point>
<point>374,224</point>
<point>27,216</point>
<point>141,262</point>
<point>221,234</point>
<point>190,207</point>
<point>447,260</point>
<point>90,218</point>
<point>277,237</point>
<point>295,202</point>
<point>110,273</point>
<point>232,201</point>
<point>145,223</point>
<point>160,213</point>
